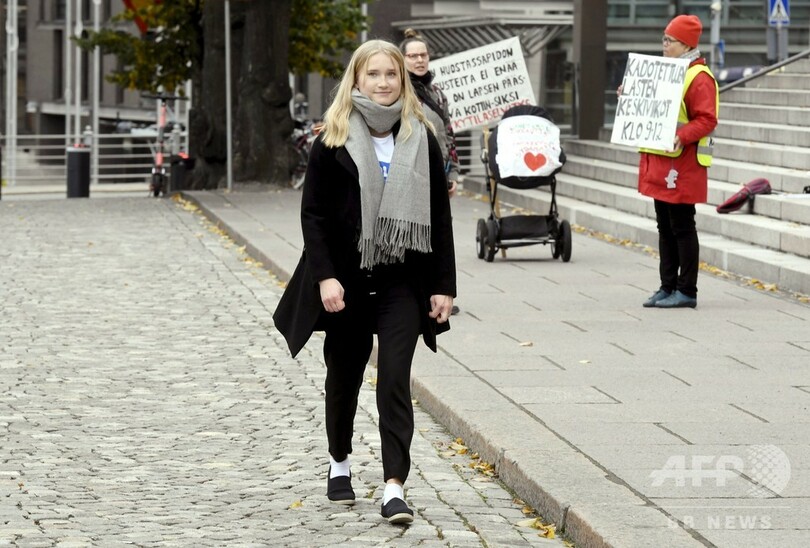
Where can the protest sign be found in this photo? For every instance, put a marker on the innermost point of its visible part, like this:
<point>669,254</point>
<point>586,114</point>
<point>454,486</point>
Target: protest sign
<point>647,109</point>
<point>483,83</point>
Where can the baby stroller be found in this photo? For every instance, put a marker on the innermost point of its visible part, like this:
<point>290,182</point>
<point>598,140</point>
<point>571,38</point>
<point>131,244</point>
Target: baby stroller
<point>522,152</point>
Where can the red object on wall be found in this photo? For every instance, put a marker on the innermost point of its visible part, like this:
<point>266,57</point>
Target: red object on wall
<point>135,5</point>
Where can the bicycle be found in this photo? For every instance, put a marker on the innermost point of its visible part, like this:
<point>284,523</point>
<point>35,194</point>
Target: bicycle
<point>157,184</point>
<point>304,134</point>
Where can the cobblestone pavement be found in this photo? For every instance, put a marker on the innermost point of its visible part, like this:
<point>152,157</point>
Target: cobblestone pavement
<point>147,400</point>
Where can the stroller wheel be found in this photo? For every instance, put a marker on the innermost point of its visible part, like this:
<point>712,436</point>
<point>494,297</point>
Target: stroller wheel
<point>565,241</point>
<point>556,245</point>
<point>481,238</point>
<point>492,239</point>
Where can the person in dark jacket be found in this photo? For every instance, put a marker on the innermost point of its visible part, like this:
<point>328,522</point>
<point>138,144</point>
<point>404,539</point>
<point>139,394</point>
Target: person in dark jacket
<point>416,50</point>
<point>378,258</point>
<point>677,179</point>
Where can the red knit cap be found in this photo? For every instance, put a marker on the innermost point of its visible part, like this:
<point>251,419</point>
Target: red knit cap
<point>686,29</point>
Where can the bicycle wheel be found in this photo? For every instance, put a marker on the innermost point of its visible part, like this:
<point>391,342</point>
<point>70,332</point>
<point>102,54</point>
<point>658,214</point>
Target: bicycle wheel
<point>158,184</point>
<point>300,171</point>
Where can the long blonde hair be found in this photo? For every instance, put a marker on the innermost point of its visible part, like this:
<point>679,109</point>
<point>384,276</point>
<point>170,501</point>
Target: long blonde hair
<point>336,117</point>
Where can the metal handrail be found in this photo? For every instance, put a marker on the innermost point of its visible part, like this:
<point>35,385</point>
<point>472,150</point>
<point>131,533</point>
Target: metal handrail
<point>40,158</point>
<point>798,57</point>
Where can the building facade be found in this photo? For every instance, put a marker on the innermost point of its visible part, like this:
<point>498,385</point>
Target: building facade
<point>46,86</point>
<point>545,27</point>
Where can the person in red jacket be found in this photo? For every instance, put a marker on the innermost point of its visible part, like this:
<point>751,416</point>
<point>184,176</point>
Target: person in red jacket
<point>678,179</point>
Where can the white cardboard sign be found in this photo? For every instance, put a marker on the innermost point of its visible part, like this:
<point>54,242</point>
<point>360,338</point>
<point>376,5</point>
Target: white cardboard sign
<point>483,83</point>
<point>647,110</point>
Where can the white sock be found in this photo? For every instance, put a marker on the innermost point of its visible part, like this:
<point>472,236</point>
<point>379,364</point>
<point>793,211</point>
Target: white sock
<point>339,468</point>
<point>393,491</point>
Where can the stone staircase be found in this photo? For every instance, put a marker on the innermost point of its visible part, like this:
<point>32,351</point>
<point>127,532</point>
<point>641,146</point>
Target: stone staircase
<point>764,132</point>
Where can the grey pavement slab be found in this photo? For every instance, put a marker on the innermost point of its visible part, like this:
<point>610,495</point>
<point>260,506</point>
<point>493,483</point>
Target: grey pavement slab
<point>592,407</point>
<point>147,400</point>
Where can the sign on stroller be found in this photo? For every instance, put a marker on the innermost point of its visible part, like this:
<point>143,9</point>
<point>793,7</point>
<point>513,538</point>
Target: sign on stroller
<point>523,151</point>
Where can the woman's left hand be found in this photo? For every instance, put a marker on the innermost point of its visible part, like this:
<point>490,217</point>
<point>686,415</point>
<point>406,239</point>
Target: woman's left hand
<point>440,307</point>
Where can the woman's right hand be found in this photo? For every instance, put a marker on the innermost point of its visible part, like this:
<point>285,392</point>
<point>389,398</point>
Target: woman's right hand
<point>332,295</point>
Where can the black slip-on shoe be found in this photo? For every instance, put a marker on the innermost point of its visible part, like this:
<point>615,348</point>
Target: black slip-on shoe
<point>339,490</point>
<point>397,512</point>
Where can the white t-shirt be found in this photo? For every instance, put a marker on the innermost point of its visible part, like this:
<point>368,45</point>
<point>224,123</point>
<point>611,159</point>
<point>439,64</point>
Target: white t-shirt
<point>384,147</point>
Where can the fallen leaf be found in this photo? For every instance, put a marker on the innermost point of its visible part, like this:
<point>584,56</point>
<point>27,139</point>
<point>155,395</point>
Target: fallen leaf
<point>458,447</point>
<point>484,468</point>
<point>585,361</point>
<point>296,504</point>
<point>548,531</point>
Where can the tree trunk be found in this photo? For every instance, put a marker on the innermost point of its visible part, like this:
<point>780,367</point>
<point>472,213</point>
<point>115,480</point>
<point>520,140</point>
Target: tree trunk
<point>262,121</point>
<point>261,94</point>
<point>207,137</point>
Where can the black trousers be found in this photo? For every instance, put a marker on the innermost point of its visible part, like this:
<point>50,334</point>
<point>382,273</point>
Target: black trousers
<point>386,305</point>
<point>678,246</point>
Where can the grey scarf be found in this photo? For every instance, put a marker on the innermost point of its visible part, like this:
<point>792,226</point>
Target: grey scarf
<point>692,54</point>
<point>396,212</point>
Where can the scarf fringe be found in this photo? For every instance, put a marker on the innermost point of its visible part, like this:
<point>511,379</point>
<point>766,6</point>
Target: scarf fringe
<point>392,237</point>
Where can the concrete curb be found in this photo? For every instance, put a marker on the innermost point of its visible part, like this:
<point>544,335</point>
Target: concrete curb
<point>238,227</point>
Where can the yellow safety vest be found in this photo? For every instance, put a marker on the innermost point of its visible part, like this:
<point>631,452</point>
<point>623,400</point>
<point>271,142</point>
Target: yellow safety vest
<point>706,144</point>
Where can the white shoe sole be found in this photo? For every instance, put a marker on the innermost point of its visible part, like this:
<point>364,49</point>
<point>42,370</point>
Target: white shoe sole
<point>400,518</point>
<point>348,502</point>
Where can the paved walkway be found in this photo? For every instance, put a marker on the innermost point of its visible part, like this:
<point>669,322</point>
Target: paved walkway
<point>147,400</point>
<point>625,426</point>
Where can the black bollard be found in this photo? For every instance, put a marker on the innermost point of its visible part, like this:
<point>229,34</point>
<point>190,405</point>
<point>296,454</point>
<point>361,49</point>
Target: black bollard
<point>78,172</point>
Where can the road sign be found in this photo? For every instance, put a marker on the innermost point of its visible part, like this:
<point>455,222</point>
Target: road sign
<point>778,13</point>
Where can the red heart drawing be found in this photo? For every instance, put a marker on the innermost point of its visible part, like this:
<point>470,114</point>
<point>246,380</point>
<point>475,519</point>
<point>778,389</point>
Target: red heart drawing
<point>534,161</point>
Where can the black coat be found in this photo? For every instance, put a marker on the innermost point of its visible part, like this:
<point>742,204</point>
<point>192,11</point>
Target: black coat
<point>331,219</point>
